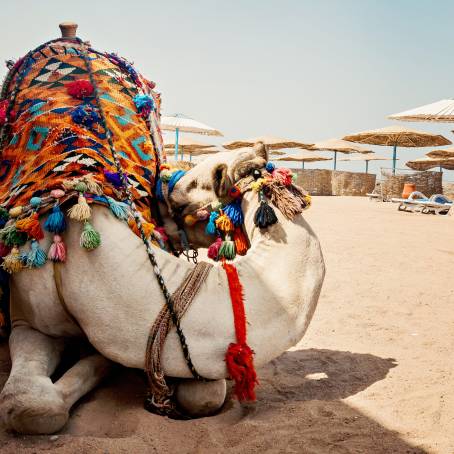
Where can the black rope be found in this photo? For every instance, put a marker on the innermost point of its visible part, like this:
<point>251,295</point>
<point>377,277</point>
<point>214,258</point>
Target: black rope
<point>150,253</point>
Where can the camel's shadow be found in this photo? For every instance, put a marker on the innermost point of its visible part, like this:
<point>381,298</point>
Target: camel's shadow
<point>321,374</point>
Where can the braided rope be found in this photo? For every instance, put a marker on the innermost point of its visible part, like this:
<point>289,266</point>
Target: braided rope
<point>137,218</point>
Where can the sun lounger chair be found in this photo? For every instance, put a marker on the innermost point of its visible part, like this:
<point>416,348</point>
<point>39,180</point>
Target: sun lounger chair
<point>418,202</point>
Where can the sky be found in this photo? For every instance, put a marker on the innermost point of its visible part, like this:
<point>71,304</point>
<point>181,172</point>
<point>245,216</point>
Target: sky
<point>302,69</point>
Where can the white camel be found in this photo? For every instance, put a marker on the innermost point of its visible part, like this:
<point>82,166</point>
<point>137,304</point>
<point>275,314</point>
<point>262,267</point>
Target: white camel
<point>111,297</point>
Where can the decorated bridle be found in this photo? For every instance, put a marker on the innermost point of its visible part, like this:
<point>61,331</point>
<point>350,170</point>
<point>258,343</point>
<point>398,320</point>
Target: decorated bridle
<point>225,220</point>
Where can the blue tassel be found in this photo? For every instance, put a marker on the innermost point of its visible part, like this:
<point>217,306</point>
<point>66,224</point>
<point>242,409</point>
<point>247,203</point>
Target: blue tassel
<point>234,212</point>
<point>211,229</point>
<point>119,209</point>
<point>55,223</point>
<point>36,257</point>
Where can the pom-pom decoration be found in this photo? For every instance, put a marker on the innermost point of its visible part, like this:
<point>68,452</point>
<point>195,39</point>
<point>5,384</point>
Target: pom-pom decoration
<point>144,104</point>
<point>234,212</point>
<point>80,89</point>
<point>283,176</point>
<point>85,115</point>
<point>213,250</point>
<point>234,192</point>
<point>270,167</point>
<point>3,110</point>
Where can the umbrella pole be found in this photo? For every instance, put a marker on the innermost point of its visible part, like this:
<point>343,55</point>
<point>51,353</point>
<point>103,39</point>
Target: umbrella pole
<point>177,133</point>
<point>302,165</point>
<point>394,159</point>
<point>367,166</point>
<point>335,160</point>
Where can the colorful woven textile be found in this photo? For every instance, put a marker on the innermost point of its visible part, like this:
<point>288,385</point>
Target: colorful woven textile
<point>55,136</point>
<point>70,116</point>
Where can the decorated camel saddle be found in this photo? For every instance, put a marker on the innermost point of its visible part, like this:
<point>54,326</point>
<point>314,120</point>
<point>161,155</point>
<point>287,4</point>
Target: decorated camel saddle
<point>93,220</point>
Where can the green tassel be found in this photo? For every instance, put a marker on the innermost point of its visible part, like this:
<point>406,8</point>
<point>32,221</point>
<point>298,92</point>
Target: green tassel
<point>12,237</point>
<point>90,238</point>
<point>227,250</point>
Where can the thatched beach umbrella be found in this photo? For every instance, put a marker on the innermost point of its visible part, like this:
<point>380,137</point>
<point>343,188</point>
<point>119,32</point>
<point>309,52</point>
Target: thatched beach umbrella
<point>303,157</point>
<point>273,143</point>
<point>430,163</point>
<point>181,123</point>
<point>398,136</point>
<point>366,158</point>
<point>185,144</point>
<point>339,146</point>
<point>441,153</point>
<point>440,112</point>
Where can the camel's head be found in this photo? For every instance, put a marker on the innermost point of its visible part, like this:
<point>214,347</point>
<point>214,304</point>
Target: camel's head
<point>210,182</point>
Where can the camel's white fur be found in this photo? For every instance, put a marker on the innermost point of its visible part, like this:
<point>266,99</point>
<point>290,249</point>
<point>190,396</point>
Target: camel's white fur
<point>114,297</point>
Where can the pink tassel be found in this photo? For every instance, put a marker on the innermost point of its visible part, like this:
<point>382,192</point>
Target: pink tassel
<point>213,250</point>
<point>57,251</point>
<point>283,176</point>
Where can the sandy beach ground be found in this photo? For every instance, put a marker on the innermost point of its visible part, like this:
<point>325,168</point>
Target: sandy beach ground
<point>374,374</point>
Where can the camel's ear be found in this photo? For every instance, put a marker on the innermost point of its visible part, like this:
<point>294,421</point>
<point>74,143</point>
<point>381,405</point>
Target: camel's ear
<point>221,181</point>
<point>261,151</point>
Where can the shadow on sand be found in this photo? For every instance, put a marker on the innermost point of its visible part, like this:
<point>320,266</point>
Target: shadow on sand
<point>298,410</point>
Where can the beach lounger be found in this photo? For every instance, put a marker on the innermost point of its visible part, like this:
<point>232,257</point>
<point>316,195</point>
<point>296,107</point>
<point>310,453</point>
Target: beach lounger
<point>418,202</point>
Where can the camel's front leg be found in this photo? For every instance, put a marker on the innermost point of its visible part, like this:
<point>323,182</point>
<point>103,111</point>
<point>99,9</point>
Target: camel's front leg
<point>30,402</point>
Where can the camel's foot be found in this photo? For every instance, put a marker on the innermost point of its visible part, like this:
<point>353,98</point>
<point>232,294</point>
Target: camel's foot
<point>32,406</point>
<point>198,398</point>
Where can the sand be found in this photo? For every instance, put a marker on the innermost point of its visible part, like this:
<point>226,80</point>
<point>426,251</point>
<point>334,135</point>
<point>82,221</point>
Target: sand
<point>374,374</point>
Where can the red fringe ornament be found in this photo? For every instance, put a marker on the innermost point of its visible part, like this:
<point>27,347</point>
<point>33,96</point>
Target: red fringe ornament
<point>239,358</point>
<point>213,250</point>
<point>80,89</point>
<point>31,227</point>
<point>3,108</point>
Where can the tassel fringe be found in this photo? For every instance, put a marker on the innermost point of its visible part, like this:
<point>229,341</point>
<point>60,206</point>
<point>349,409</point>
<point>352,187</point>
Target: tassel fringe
<point>81,211</point>
<point>57,250</point>
<point>31,227</point>
<point>12,263</point>
<point>89,239</point>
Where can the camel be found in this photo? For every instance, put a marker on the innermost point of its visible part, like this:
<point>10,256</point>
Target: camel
<point>111,297</point>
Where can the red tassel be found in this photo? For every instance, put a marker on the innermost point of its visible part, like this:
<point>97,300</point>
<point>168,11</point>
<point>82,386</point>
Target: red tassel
<point>241,241</point>
<point>239,358</point>
<point>4,249</point>
<point>79,89</point>
<point>31,227</point>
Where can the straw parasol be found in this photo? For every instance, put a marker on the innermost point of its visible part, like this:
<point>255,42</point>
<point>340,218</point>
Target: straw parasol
<point>181,123</point>
<point>366,158</point>
<point>429,163</point>
<point>398,136</point>
<point>440,111</point>
<point>277,153</point>
<point>338,146</point>
<point>273,143</point>
<point>441,153</point>
<point>303,157</point>
<point>185,144</point>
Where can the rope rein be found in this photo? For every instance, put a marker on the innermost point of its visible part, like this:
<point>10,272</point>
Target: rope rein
<point>127,188</point>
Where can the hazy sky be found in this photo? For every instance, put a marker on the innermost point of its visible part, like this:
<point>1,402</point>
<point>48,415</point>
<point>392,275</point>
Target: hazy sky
<point>306,69</point>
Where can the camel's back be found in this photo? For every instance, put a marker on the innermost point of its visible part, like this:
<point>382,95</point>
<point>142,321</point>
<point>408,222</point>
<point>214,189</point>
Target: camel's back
<point>55,127</point>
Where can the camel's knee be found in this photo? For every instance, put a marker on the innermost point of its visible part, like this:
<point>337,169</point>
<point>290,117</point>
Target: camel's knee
<point>199,398</point>
<point>32,406</point>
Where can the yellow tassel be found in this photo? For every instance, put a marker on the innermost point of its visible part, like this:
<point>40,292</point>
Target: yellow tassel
<point>92,185</point>
<point>258,184</point>
<point>16,211</point>
<point>12,263</point>
<point>190,220</point>
<point>224,223</point>
<point>81,210</point>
